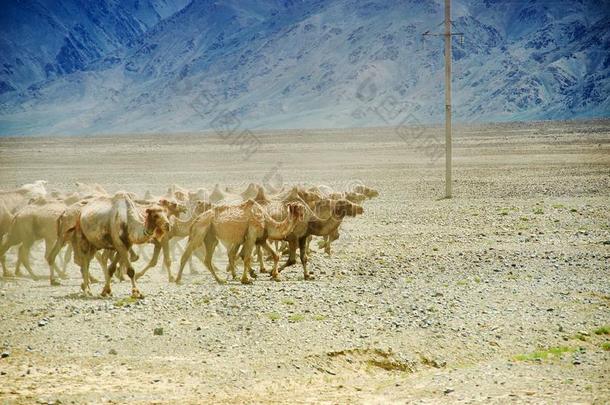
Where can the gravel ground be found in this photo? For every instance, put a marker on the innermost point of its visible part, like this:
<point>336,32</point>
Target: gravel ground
<point>499,295</point>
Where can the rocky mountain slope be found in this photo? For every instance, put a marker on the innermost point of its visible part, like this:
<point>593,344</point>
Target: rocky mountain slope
<point>291,64</point>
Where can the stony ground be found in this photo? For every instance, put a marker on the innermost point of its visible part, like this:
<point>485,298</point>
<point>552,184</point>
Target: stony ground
<point>499,295</point>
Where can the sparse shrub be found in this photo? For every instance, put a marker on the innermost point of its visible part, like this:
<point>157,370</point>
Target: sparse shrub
<point>274,316</point>
<point>544,354</point>
<point>296,318</point>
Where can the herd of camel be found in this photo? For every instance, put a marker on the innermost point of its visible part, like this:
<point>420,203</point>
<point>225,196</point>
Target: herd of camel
<point>91,223</point>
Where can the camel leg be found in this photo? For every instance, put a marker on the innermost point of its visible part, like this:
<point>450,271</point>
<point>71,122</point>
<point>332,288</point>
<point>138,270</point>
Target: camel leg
<point>107,291</point>
<point>276,260</point>
<point>5,272</point>
<point>200,254</point>
<point>133,256</point>
<point>247,254</point>
<point>210,247</point>
<point>192,268</point>
<point>24,257</point>
<point>261,261</point>
<point>48,245</point>
<point>167,262</point>
<point>292,253</point>
<point>308,249</point>
<point>52,254</point>
<point>232,256</point>
<point>66,260</point>
<point>303,254</point>
<point>109,255</point>
<point>153,261</point>
<point>9,241</point>
<point>241,254</point>
<point>192,244</point>
<point>84,270</point>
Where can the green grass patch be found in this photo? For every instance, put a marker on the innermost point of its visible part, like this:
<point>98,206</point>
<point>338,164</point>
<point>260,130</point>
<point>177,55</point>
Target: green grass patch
<point>524,219</point>
<point>538,211</point>
<point>477,280</point>
<point>604,330</point>
<point>462,282</point>
<point>573,210</point>
<point>580,337</point>
<point>320,317</point>
<point>288,301</point>
<point>606,346</point>
<point>553,352</point>
<point>558,206</point>
<point>296,318</point>
<point>125,301</point>
<point>504,211</point>
<point>274,316</point>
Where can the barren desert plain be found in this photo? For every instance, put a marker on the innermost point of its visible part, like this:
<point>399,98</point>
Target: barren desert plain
<point>498,295</point>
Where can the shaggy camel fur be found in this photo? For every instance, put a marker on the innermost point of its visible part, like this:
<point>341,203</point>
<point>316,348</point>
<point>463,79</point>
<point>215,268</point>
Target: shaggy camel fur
<point>115,223</point>
<point>329,215</point>
<point>178,229</point>
<point>173,209</point>
<point>234,226</point>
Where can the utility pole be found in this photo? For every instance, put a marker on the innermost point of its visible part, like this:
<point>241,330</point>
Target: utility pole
<point>447,98</point>
<point>447,36</point>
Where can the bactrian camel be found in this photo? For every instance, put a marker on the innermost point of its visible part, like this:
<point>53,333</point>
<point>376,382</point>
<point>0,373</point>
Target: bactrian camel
<point>236,226</point>
<point>115,223</point>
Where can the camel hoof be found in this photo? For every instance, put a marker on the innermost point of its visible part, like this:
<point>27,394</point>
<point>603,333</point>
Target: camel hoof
<point>246,281</point>
<point>106,293</point>
<point>135,293</point>
<point>276,278</point>
<point>171,278</point>
<point>253,274</point>
<point>195,272</point>
<point>221,281</point>
<point>263,270</point>
<point>8,275</point>
<point>55,282</point>
<point>309,277</point>
<point>178,281</point>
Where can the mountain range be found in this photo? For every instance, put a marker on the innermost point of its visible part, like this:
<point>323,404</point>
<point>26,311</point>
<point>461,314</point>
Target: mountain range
<point>110,66</point>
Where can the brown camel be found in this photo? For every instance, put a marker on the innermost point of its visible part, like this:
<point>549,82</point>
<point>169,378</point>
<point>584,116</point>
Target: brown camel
<point>329,215</point>
<point>178,229</point>
<point>115,223</point>
<point>234,226</point>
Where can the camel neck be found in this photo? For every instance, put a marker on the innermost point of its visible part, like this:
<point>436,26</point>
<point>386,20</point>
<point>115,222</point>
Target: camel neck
<point>279,229</point>
<point>140,230</point>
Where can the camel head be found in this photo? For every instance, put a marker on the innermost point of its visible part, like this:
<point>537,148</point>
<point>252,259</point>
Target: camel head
<point>296,210</point>
<point>366,191</point>
<point>173,207</point>
<point>157,221</point>
<point>310,196</point>
<point>354,197</point>
<point>202,206</point>
<point>343,208</point>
